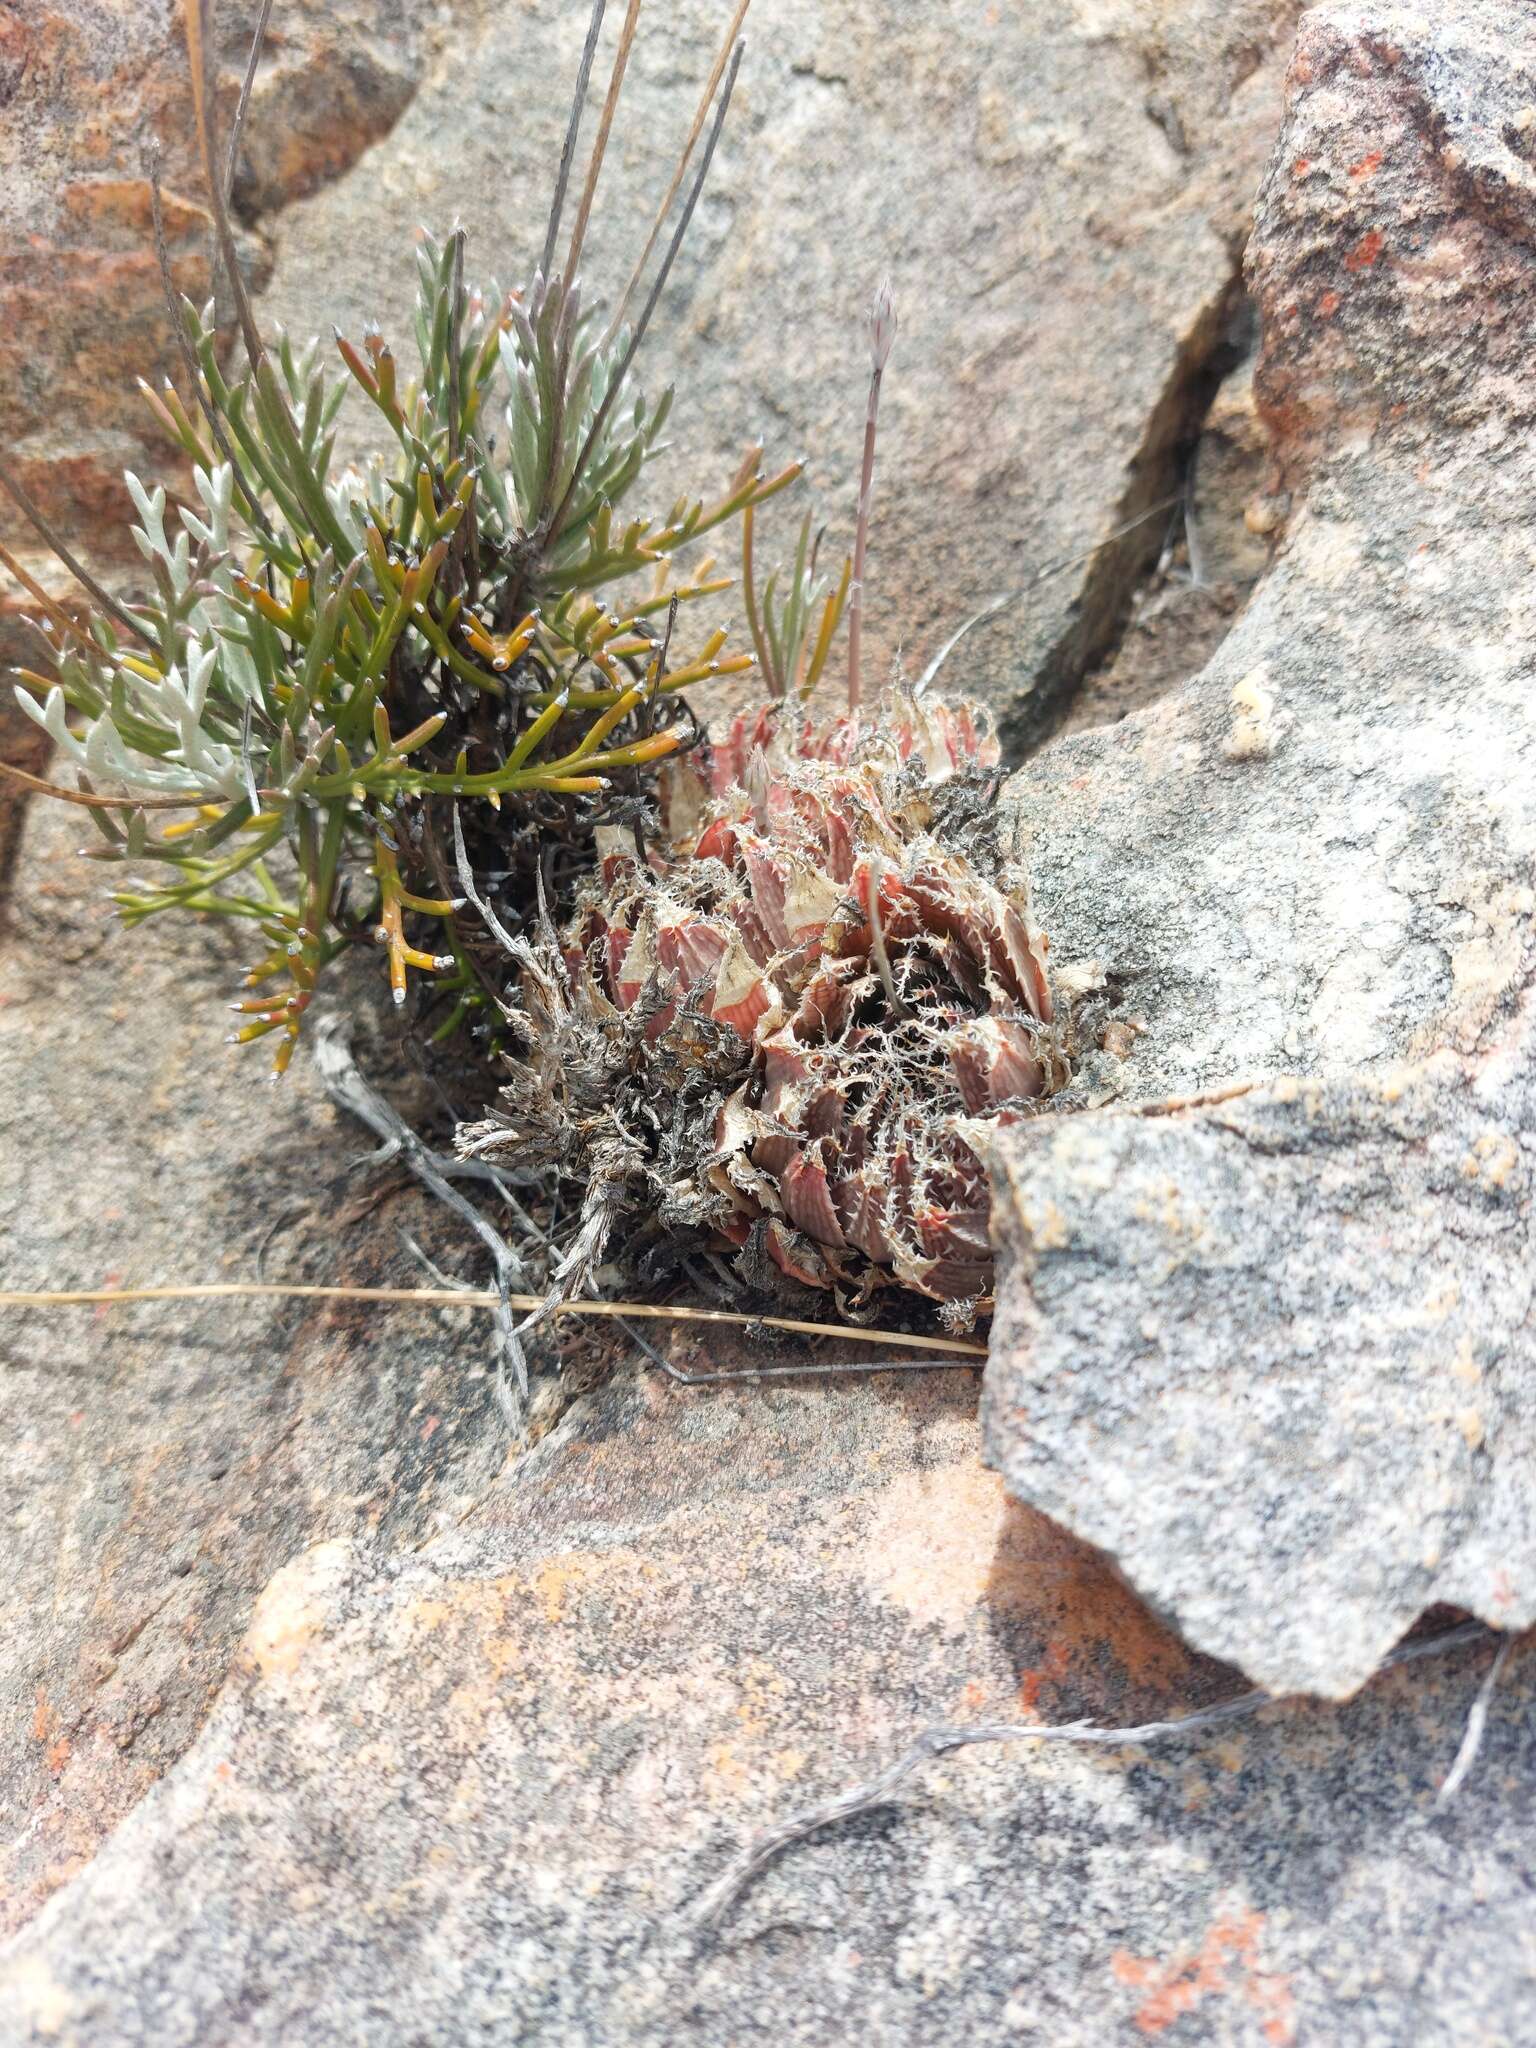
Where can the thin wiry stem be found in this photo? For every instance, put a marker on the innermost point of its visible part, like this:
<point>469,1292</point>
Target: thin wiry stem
<point>196,12</point>
<point>573,126</point>
<point>77,569</point>
<point>658,677</point>
<point>966,1356</point>
<point>751,1374</point>
<point>610,399</point>
<point>882,334</point>
<point>701,115</point>
<point>717,1900</point>
<point>237,126</point>
<point>344,1083</point>
<point>93,802</point>
<point>1477,1721</point>
<point>997,605</point>
<point>600,146</point>
<point>877,944</point>
<point>189,361</point>
<point>61,620</point>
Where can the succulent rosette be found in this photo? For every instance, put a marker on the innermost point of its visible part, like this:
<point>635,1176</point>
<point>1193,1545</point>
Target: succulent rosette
<point>796,1021</point>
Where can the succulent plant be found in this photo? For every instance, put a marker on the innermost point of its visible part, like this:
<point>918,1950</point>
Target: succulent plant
<point>790,1026</point>
<point>327,662</point>
<point>793,1029</point>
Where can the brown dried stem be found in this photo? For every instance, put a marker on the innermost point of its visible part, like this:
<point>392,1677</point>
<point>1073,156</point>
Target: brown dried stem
<point>196,12</point>
<point>701,115</point>
<point>92,801</point>
<point>600,146</point>
<point>242,107</point>
<point>453,1297</point>
<point>616,383</point>
<point>189,361</point>
<point>24,499</point>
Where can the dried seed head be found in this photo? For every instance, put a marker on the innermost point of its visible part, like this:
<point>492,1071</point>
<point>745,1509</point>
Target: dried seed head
<point>882,325</point>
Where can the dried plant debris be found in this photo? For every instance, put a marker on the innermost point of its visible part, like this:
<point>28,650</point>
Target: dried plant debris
<point>325,660</point>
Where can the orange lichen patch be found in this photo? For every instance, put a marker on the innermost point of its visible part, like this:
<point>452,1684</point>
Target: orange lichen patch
<point>1051,1670</point>
<point>1327,305</point>
<point>1366,250</point>
<point>293,1611</point>
<point>102,203</point>
<point>1368,164</point>
<point>725,1774</point>
<point>1300,168</point>
<point>1225,1964</point>
<point>1093,1625</point>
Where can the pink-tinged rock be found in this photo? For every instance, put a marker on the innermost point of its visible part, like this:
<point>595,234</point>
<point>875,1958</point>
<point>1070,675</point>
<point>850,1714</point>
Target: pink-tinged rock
<point>1270,1343</point>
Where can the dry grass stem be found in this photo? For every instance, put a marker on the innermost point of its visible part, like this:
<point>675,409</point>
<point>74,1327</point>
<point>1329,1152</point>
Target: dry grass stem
<point>453,1297</point>
<point>600,146</point>
<point>701,115</point>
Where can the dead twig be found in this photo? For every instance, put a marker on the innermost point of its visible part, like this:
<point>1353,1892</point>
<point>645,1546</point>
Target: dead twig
<point>573,127</point>
<point>551,525</point>
<point>28,506</point>
<point>711,85</point>
<point>93,802</point>
<point>600,146</point>
<point>719,1897</point>
<point>243,105</point>
<point>997,605</point>
<point>1477,1721</point>
<point>751,1374</point>
<point>343,1082</point>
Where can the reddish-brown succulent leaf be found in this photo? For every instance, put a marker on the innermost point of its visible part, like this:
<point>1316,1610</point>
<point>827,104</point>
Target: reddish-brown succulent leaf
<point>831,906</point>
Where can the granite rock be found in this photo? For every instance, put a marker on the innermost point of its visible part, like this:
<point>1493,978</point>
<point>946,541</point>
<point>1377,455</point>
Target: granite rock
<point>85,86</point>
<point>158,1465</point>
<point>474,1793</point>
<point>1274,1353</point>
<point>1316,860</point>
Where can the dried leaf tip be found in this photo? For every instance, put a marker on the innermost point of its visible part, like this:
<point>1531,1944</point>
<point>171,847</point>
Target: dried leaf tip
<point>882,325</point>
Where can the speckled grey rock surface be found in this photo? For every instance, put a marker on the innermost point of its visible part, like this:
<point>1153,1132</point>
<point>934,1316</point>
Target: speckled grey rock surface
<point>1318,855</point>
<point>1275,1355</point>
<point>158,1465</point>
<point>1292,1393</point>
<point>473,1793</point>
